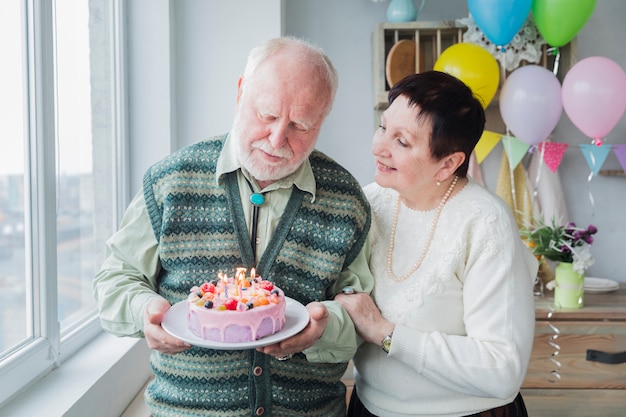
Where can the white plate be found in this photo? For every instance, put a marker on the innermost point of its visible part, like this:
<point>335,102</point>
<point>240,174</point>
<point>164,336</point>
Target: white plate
<point>175,323</point>
<point>600,285</point>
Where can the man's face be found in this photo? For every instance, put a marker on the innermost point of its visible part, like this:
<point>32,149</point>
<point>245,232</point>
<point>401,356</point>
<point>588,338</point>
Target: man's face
<point>279,115</point>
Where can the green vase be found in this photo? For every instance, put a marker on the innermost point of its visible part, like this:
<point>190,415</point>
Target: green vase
<point>569,289</point>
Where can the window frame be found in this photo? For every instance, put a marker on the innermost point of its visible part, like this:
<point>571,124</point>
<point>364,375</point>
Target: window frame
<point>48,348</point>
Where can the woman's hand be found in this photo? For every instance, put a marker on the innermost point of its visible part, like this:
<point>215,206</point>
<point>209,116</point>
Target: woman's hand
<point>156,337</point>
<point>368,321</point>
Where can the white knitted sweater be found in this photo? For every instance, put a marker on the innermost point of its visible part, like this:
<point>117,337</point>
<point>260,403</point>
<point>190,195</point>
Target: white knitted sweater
<point>464,320</point>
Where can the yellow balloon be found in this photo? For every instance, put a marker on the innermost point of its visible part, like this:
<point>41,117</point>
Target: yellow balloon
<point>473,65</point>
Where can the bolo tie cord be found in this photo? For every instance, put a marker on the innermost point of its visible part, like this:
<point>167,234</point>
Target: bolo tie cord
<point>257,200</point>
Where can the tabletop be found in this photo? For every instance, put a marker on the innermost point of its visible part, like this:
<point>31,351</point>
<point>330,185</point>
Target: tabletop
<point>609,306</point>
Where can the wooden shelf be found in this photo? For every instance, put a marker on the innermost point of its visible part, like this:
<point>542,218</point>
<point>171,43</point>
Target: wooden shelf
<point>613,172</point>
<point>431,39</point>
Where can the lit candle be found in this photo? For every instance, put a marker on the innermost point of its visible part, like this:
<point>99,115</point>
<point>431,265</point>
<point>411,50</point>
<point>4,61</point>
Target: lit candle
<point>240,275</point>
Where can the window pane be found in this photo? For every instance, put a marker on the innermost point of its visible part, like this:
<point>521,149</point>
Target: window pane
<point>75,168</point>
<point>72,151</point>
<point>15,317</point>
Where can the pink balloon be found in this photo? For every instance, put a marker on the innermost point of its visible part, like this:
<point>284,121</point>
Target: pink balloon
<point>530,103</point>
<point>594,95</point>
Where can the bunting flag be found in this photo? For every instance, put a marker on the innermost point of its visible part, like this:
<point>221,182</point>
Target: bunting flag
<point>485,145</point>
<point>620,152</point>
<point>595,155</point>
<point>512,188</point>
<point>515,150</point>
<point>553,154</point>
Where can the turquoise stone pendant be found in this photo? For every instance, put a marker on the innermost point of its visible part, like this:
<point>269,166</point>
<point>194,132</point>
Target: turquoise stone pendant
<point>257,199</point>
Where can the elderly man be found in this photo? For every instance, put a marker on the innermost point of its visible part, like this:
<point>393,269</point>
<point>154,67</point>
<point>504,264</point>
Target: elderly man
<point>193,219</point>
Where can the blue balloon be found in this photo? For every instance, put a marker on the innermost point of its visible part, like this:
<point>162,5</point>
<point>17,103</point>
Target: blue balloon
<point>499,20</point>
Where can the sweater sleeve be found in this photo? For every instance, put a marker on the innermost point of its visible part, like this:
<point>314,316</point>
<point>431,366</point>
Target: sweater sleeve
<point>339,341</point>
<point>126,281</point>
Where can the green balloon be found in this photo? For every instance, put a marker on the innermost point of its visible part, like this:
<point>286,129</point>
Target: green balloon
<point>559,21</point>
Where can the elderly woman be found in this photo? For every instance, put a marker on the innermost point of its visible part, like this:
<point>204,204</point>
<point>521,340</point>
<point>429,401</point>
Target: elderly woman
<point>448,330</point>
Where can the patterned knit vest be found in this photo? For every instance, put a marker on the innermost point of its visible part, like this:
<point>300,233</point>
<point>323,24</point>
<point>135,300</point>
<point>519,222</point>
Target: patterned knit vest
<point>201,230</point>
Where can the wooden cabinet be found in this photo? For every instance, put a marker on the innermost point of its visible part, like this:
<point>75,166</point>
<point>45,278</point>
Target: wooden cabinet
<point>579,387</point>
<point>431,38</point>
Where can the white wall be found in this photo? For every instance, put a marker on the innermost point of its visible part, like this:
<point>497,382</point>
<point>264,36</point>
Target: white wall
<point>211,44</point>
<point>150,101</point>
<point>185,57</point>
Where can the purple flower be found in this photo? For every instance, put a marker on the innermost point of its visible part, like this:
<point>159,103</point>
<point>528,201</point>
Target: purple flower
<point>567,243</point>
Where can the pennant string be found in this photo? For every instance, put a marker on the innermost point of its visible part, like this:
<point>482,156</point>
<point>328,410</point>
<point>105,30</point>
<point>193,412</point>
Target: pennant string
<point>487,143</point>
<point>511,174</point>
<point>539,169</point>
<point>557,57</point>
<point>555,375</point>
<point>589,178</point>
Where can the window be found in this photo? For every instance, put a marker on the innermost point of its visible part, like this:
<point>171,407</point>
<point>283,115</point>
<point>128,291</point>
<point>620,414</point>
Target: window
<point>61,176</point>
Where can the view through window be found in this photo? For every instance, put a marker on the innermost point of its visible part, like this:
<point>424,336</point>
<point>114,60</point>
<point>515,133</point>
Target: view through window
<point>85,161</point>
<point>15,325</point>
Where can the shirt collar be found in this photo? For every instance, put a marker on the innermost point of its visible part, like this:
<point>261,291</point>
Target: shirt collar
<point>302,178</point>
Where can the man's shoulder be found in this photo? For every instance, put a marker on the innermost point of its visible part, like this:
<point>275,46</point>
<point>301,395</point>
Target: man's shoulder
<point>325,167</point>
<point>337,180</point>
<point>200,155</point>
<point>210,145</point>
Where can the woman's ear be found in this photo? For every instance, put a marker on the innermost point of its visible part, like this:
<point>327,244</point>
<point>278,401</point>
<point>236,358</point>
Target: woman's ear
<point>451,162</point>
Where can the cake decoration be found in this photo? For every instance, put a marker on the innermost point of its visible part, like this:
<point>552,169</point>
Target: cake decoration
<point>237,308</point>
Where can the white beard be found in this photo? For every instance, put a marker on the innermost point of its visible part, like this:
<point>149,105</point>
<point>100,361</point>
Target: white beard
<point>262,170</point>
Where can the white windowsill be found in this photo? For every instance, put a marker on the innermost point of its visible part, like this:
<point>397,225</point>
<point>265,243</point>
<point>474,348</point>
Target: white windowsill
<point>100,380</point>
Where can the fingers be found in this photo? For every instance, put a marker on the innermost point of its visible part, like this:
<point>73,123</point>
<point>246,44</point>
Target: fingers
<point>278,351</point>
<point>155,311</point>
<point>317,311</point>
<point>156,337</point>
<point>159,339</point>
<point>306,338</point>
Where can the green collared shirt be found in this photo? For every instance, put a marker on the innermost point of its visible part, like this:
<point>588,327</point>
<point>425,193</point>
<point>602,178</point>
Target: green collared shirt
<point>276,194</point>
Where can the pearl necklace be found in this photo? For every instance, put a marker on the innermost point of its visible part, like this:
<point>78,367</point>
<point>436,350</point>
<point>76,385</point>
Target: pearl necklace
<point>431,233</point>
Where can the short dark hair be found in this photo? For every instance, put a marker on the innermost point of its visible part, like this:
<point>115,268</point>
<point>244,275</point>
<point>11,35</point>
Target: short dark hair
<point>457,116</point>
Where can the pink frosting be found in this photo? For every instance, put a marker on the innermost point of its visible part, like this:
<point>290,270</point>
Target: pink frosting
<point>241,325</point>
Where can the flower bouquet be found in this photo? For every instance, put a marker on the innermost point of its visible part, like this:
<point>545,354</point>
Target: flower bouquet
<point>567,243</point>
<point>568,246</point>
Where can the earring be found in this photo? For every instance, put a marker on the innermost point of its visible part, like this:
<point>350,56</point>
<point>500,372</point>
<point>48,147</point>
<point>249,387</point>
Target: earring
<point>438,183</point>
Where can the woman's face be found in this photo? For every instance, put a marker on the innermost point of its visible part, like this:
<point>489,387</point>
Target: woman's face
<point>401,148</point>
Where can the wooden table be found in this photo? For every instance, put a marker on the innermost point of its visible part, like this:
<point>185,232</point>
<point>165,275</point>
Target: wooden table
<point>577,387</point>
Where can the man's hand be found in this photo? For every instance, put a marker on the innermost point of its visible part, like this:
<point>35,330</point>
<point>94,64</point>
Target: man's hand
<point>156,337</point>
<point>318,319</point>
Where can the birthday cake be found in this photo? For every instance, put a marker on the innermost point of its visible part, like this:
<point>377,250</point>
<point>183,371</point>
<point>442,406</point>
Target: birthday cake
<point>235,309</point>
